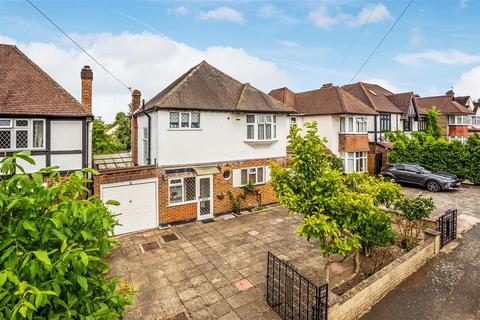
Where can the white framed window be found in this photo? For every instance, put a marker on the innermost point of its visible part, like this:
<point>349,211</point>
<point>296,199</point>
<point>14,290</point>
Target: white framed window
<point>22,134</point>
<point>182,190</point>
<point>184,120</point>
<point>458,120</point>
<point>354,161</point>
<point>261,127</point>
<point>353,124</point>
<point>255,175</point>
<point>476,120</point>
<point>293,121</point>
<point>462,139</point>
<point>145,139</point>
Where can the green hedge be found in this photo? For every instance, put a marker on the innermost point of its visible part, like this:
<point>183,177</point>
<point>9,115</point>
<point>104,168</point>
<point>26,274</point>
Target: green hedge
<point>438,153</point>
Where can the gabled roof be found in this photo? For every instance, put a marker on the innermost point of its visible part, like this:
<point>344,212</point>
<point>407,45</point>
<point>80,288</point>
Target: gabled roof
<point>325,101</point>
<point>476,105</point>
<point>204,87</point>
<point>373,95</point>
<point>403,101</point>
<point>463,100</point>
<point>445,104</point>
<point>25,89</point>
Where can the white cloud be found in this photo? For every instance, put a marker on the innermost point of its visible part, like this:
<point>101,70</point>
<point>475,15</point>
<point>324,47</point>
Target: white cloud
<point>451,57</point>
<point>144,61</point>
<point>383,83</point>
<point>464,3</point>
<point>222,13</point>
<point>469,84</point>
<point>181,10</point>
<point>433,91</point>
<point>369,14</point>
<point>288,43</point>
<point>415,37</point>
<point>270,11</point>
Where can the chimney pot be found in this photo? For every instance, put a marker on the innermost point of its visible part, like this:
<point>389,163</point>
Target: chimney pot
<point>87,77</point>
<point>450,93</point>
<point>327,85</point>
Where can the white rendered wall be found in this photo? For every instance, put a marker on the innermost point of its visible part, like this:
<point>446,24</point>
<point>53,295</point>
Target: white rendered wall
<point>328,127</point>
<point>66,135</point>
<point>220,138</point>
<point>67,162</point>
<point>40,162</point>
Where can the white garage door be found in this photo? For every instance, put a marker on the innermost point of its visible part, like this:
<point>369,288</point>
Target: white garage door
<point>138,204</point>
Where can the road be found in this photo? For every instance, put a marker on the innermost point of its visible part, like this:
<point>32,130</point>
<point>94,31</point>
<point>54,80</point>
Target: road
<point>447,287</point>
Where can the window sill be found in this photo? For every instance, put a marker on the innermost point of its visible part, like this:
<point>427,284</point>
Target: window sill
<point>355,133</point>
<point>184,129</point>
<point>181,203</point>
<point>255,142</point>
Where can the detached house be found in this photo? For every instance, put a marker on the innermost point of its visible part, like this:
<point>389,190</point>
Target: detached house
<point>201,138</point>
<point>37,114</point>
<point>455,117</point>
<point>341,118</point>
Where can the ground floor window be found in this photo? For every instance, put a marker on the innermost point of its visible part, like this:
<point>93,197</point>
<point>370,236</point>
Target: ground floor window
<point>462,139</point>
<point>182,190</point>
<point>354,161</point>
<point>255,175</point>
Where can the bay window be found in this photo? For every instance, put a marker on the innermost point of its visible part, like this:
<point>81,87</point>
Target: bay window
<point>354,161</point>
<point>21,134</point>
<point>353,124</point>
<point>182,190</point>
<point>458,120</point>
<point>262,127</point>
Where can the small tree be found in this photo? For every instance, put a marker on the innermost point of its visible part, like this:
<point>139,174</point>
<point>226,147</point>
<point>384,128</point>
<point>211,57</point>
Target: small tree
<point>102,142</point>
<point>339,210</point>
<point>122,133</point>
<point>415,211</point>
<point>433,123</point>
<point>53,240</point>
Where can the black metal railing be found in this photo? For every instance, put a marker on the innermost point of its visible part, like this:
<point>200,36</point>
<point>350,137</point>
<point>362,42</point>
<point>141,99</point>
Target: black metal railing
<point>291,295</point>
<point>447,225</point>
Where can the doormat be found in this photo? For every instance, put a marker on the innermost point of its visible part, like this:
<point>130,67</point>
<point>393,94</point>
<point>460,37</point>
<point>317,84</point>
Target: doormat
<point>180,316</point>
<point>149,246</point>
<point>208,221</point>
<point>170,237</point>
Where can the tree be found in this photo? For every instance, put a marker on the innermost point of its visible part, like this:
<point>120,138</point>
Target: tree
<point>434,128</point>
<point>101,141</point>
<point>122,133</point>
<point>341,211</point>
<point>53,240</point>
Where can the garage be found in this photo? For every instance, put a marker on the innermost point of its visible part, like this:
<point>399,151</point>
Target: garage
<point>138,209</point>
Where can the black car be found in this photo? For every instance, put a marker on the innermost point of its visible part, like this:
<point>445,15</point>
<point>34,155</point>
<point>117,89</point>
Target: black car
<point>421,175</point>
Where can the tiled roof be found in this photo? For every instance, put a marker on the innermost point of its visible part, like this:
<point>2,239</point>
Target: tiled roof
<point>25,89</point>
<point>373,95</point>
<point>462,100</point>
<point>112,161</point>
<point>476,105</point>
<point>206,88</point>
<point>445,104</point>
<point>325,101</point>
<point>402,101</point>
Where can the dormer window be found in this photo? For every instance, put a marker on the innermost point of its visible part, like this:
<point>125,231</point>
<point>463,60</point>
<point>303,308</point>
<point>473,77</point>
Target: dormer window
<point>261,127</point>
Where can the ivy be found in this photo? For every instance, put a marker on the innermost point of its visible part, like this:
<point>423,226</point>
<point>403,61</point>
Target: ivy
<point>53,240</point>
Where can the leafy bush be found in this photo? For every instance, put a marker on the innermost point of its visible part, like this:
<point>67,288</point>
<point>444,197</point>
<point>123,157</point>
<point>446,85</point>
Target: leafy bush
<point>454,157</point>
<point>53,241</point>
<point>414,210</point>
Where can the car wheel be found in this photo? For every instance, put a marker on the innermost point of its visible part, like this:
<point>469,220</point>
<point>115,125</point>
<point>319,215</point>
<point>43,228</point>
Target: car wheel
<point>433,186</point>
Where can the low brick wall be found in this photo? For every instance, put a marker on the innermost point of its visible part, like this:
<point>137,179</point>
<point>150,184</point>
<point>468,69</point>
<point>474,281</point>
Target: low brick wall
<point>358,300</point>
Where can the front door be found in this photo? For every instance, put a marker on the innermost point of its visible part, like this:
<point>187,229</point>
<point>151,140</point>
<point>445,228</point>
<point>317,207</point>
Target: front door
<point>205,199</point>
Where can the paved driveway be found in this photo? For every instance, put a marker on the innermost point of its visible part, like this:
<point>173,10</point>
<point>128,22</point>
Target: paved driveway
<point>215,270</point>
<point>466,200</point>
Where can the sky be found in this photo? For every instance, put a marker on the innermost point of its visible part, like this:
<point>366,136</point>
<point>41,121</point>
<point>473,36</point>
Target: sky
<point>434,47</point>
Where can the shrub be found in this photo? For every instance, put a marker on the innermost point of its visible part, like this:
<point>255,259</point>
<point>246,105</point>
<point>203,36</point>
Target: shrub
<point>53,241</point>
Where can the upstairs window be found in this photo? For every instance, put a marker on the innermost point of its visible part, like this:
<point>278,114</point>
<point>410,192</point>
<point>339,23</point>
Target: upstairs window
<point>261,127</point>
<point>145,144</point>
<point>21,134</point>
<point>184,120</point>
<point>458,120</point>
<point>353,124</point>
<point>422,124</point>
<point>385,122</point>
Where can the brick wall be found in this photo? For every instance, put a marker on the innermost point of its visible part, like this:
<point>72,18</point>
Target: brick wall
<point>353,142</point>
<point>458,131</point>
<point>358,300</point>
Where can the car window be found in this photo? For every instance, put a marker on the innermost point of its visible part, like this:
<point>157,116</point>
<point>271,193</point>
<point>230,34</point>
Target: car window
<point>412,168</point>
<point>399,167</point>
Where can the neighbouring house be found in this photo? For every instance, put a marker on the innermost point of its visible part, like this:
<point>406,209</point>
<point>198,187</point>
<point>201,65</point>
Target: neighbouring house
<point>455,118</point>
<point>201,138</point>
<point>475,127</point>
<point>37,114</point>
<point>413,119</point>
<point>341,118</point>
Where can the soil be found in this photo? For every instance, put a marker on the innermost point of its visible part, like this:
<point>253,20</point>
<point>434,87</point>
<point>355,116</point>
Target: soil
<point>379,258</point>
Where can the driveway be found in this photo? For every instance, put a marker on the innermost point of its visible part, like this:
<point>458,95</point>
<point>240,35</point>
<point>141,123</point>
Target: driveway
<point>448,287</point>
<point>214,270</point>
<point>466,200</point>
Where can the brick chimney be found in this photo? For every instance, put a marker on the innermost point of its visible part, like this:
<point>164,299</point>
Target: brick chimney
<point>87,78</point>
<point>136,98</point>
<point>327,85</point>
<point>450,93</point>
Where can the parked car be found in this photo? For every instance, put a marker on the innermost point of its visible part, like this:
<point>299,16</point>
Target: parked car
<point>421,175</point>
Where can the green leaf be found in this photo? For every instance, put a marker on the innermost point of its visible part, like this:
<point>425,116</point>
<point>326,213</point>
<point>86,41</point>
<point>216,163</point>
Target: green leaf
<point>43,257</point>
<point>64,246</point>
<point>29,225</point>
<point>82,282</point>
<point>112,202</point>
<point>3,278</point>
<point>84,258</point>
